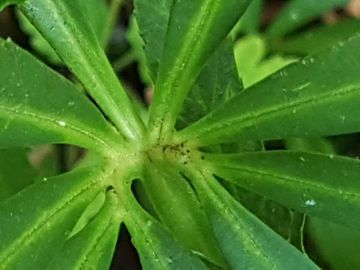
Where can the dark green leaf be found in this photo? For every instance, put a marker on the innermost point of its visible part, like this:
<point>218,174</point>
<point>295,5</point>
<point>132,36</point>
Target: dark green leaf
<point>15,172</point>
<point>317,39</point>
<point>334,243</point>
<point>156,246</point>
<point>64,26</point>
<point>38,106</point>
<point>316,184</point>
<point>152,17</point>
<point>302,100</point>
<point>217,83</point>
<point>37,221</point>
<point>178,208</point>
<point>246,242</point>
<point>299,12</point>
<point>201,26</point>
<point>93,247</point>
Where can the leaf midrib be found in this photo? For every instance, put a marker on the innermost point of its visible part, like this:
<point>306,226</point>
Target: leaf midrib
<point>40,119</point>
<point>10,254</point>
<point>253,118</point>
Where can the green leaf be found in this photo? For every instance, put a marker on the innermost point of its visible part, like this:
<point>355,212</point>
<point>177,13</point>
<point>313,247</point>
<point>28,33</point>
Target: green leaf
<point>78,47</point>
<point>317,39</point>
<point>5,3</point>
<point>178,208</point>
<point>253,62</point>
<point>137,49</point>
<point>336,251</point>
<point>250,22</point>
<point>316,184</point>
<point>156,246</point>
<point>152,17</point>
<point>201,26</point>
<point>89,213</point>
<point>38,106</point>
<point>299,12</point>
<point>246,242</point>
<point>36,222</point>
<point>217,82</point>
<point>95,11</point>
<point>94,246</point>
<point>302,100</point>
<point>15,172</point>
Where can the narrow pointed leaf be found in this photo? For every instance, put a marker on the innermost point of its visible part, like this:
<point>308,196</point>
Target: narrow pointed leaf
<point>75,42</point>
<point>93,247</point>
<point>299,12</point>
<point>246,242</point>
<point>187,221</point>
<point>302,100</point>
<point>316,184</point>
<point>38,106</point>
<point>37,221</point>
<point>156,247</point>
<point>201,26</point>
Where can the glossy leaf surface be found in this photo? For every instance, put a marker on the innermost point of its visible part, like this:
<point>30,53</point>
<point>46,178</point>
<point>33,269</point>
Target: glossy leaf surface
<point>93,247</point>
<point>156,246</point>
<point>41,214</point>
<point>75,42</point>
<point>178,208</point>
<point>42,107</point>
<point>201,26</point>
<point>315,184</point>
<point>245,241</point>
<point>304,99</point>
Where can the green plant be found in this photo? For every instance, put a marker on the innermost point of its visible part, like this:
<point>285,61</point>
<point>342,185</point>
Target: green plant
<point>175,181</point>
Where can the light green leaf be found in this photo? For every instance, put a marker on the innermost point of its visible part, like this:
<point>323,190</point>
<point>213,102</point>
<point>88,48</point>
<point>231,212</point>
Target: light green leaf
<point>38,106</point>
<point>302,100</point>
<point>89,213</point>
<point>325,186</point>
<point>217,83</point>
<point>253,62</point>
<point>178,208</point>
<point>299,12</point>
<point>94,246</point>
<point>37,221</point>
<point>156,246</point>
<point>15,172</point>
<point>246,242</point>
<point>317,39</point>
<point>201,26</point>
<point>64,26</point>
